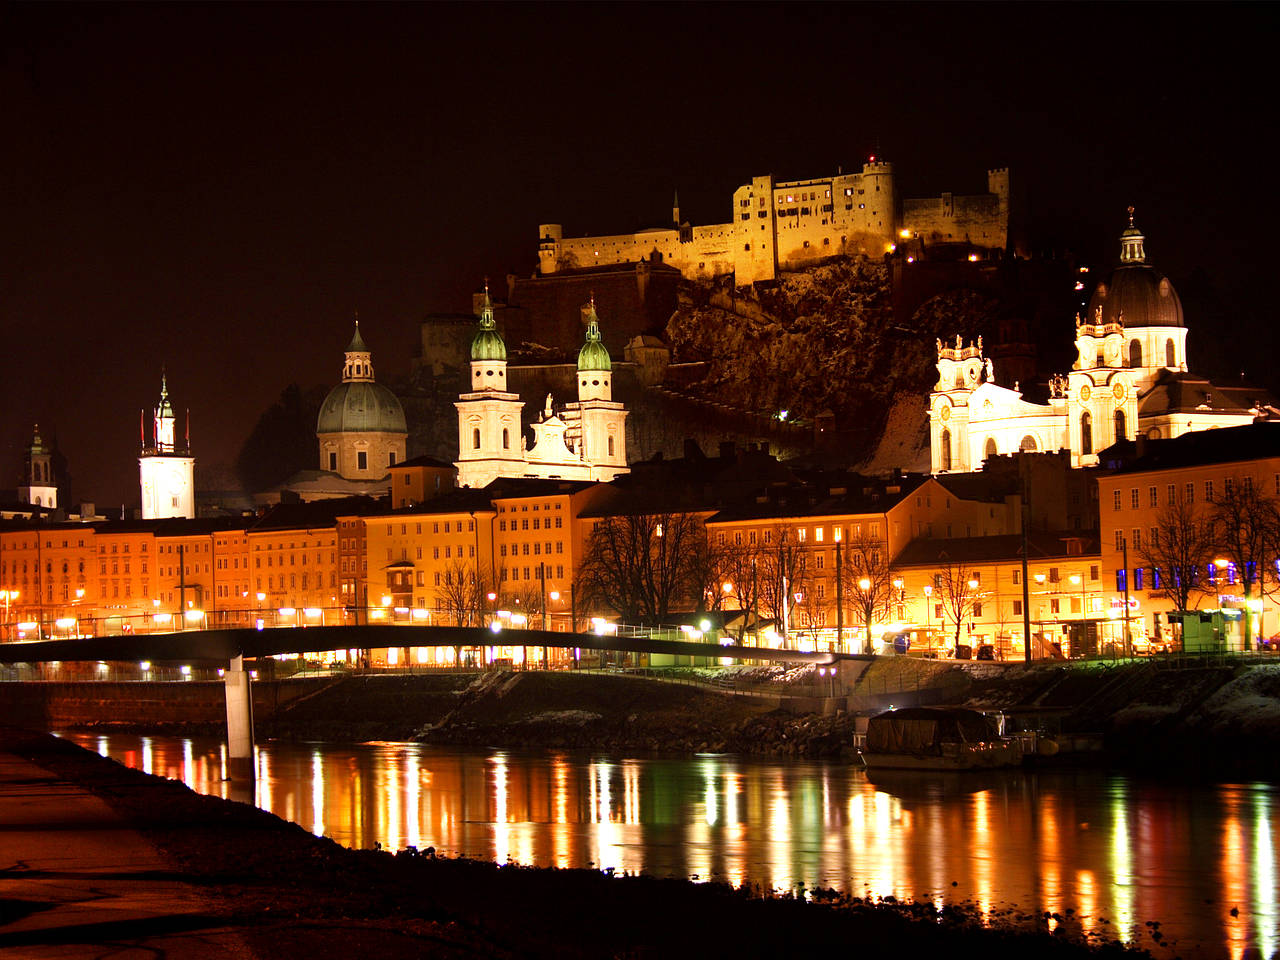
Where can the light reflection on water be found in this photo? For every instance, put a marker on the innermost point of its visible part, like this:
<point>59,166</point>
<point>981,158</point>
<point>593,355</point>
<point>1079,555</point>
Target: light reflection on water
<point>1119,851</point>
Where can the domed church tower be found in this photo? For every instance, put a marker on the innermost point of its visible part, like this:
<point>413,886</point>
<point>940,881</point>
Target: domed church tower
<point>490,441</point>
<point>39,486</point>
<point>603,422</point>
<point>361,427</point>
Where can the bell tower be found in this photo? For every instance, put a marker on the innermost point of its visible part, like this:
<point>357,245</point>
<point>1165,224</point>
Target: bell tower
<point>39,487</point>
<point>166,469</point>
<point>490,440</point>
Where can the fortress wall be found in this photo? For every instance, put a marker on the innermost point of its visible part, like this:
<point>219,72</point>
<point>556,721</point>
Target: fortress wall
<point>981,220</point>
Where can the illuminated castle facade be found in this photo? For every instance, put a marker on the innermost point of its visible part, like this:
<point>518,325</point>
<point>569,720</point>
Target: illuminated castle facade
<point>585,440</point>
<point>166,470</point>
<point>1130,379</point>
<point>782,225</point>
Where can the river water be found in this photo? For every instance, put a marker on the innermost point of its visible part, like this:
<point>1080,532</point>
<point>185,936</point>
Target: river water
<point>1120,851</point>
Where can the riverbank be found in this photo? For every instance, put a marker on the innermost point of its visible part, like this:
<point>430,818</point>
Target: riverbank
<point>1196,719</point>
<point>286,893</point>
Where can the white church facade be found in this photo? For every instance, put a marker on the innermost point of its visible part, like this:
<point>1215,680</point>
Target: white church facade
<point>585,440</point>
<point>1130,379</point>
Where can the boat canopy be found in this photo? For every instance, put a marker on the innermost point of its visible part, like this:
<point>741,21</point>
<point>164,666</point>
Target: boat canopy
<point>924,729</point>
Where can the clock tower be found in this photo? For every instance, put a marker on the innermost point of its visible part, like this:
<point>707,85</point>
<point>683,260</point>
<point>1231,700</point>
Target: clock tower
<point>166,470</point>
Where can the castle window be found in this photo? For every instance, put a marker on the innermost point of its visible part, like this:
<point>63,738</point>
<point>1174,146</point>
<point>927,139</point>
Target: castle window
<point>475,439</point>
<point>506,439</point>
<point>1120,430</point>
<point>611,446</point>
<point>746,246</point>
<point>1135,353</point>
<point>1086,433</point>
<point>391,460</point>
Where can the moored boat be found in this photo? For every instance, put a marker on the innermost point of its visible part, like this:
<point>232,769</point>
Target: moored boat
<point>938,738</point>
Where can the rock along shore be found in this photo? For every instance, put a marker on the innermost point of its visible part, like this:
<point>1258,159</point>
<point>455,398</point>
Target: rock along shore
<point>291,894</point>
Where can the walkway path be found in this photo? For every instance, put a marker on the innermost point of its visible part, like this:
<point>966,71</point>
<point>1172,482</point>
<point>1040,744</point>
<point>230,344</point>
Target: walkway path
<point>76,881</point>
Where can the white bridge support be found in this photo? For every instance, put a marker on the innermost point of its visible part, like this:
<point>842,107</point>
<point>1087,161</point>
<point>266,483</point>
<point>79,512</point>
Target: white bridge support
<point>239,721</point>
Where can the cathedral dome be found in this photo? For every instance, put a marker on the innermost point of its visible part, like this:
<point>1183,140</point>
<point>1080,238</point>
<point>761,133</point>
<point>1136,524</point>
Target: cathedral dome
<point>593,355</point>
<point>1137,291</point>
<point>361,406</point>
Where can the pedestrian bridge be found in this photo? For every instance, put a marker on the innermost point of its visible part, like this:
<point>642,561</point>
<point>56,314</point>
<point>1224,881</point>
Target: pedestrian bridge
<point>227,644</point>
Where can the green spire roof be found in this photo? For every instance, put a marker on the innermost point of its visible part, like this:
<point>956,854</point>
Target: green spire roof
<point>487,343</point>
<point>357,342</point>
<point>593,355</point>
<point>165,408</point>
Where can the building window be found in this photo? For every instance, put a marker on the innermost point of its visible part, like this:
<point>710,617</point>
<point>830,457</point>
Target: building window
<point>1133,497</point>
<point>1115,499</point>
<point>1017,608</point>
<point>1086,433</point>
<point>1137,539</point>
<point>391,460</point>
<point>1170,356</point>
<point>1191,492</point>
<point>1208,491</point>
<point>1153,497</point>
<point>1121,580</point>
<point>1135,353</point>
<point>946,449</point>
<point>1119,539</point>
<point>475,439</point>
<point>362,461</point>
<point>333,462</point>
<point>611,446</point>
<point>506,439</point>
<point>1120,431</point>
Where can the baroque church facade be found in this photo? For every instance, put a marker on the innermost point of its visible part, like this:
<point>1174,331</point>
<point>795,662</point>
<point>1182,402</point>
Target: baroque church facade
<point>1130,379</point>
<point>584,440</point>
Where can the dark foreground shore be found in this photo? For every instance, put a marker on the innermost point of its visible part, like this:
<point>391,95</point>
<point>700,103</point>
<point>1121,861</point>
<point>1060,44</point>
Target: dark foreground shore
<point>287,893</point>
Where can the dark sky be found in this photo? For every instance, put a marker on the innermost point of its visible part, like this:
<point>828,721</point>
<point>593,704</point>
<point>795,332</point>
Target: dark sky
<point>218,189</point>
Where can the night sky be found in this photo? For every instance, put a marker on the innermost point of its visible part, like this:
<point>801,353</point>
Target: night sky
<point>220,189</point>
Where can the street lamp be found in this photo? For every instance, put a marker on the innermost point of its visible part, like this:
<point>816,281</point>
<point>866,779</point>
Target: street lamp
<point>928,615</point>
<point>8,596</point>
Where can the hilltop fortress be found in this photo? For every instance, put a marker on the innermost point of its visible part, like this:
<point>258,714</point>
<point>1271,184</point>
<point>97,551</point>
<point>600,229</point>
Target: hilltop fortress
<point>784,225</point>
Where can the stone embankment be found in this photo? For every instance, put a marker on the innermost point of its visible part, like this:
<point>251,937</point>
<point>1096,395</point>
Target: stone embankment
<point>1222,717</point>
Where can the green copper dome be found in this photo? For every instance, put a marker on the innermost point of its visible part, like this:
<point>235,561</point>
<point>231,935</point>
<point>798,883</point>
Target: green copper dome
<point>593,355</point>
<point>360,407</point>
<point>487,344</point>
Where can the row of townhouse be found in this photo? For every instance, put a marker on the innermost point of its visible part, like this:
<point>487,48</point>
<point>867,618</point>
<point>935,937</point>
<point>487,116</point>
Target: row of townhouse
<point>1154,481</point>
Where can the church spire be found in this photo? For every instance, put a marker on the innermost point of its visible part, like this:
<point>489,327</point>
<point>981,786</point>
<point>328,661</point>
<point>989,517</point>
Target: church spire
<point>357,361</point>
<point>1131,243</point>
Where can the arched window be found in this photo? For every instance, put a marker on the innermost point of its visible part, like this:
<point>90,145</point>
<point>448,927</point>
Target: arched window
<point>1028,444</point>
<point>991,446</point>
<point>506,439</point>
<point>1135,353</point>
<point>1086,433</point>
<point>946,449</point>
<point>1120,431</point>
<point>1170,354</point>
<point>475,439</point>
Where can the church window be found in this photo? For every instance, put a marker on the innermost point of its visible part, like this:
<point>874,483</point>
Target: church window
<point>611,446</point>
<point>475,439</point>
<point>506,439</point>
<point>946,450</point>
<point>1170,355</point>
<point>391,459</point>
<point>1120,426</point>
<point>1028,444</point>
<point>362,460</point>
<point>991,446</point>
<point>1086,433</point>
<point>1135,353</point>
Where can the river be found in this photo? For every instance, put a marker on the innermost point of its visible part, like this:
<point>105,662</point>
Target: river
<point>1120,851</point>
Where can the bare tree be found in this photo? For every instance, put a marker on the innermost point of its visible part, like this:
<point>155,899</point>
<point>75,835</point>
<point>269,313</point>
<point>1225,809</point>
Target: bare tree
<point>782,572</point>
<point>740,581</point>
<point>868,582</point>
<point>1247,524</point>
<point>959,592</point>
<point>638,564</point>
<point>458,595</point>
<point>1179,548</point>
